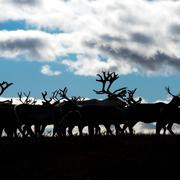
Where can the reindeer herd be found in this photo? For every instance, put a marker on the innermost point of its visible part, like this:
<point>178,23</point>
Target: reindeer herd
<point>64,113</point>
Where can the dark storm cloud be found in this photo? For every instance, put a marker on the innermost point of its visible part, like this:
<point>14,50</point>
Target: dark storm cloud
<point>91,43</point>
<point>110,38</point>
<point>155,63</point>
<point>175,29</point>
<point>25,2</point>
<point>141,38</point>
<point>135,37</point>
<point>20,44</point>
<point>30,45</point>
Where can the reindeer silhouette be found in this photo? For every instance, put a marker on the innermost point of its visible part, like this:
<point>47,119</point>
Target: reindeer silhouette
<point>101,112</point>
<point>8,121</point>
<point>160,113</point>
<point>169,113</point>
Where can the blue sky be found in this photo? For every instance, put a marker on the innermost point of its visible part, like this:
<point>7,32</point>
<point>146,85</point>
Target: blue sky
<point>47,45</point>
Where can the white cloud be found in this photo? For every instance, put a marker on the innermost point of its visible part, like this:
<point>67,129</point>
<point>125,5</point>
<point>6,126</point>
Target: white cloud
<point>135,36</point>
<point>46,70</point>
<point>35,45</point>
<point>88,66</point>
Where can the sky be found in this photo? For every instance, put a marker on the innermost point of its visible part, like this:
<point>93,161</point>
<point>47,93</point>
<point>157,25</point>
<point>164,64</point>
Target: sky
<point>47,45</point>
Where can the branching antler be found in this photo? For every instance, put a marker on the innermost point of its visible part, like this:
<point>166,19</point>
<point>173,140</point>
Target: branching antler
<point>4,85</point>
<point>130,99</point>
<point>46,101</point>
<point>27,99</point>
<point>55,96</point>
<point>63,93</point>
<point>77,99</point>
<point>110,78</point>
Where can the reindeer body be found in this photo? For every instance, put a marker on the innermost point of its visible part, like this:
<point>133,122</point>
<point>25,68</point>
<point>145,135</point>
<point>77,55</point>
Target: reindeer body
<point>37,115</point>
<point>145,112</point>
<point>8,120</point>
<point>161,113</point>
<point>170,114</point>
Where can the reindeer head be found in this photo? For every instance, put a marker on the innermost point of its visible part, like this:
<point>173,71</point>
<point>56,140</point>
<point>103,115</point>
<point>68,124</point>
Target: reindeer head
<point>69,104</point>
<point>26,99</point>
<point>176,98</point>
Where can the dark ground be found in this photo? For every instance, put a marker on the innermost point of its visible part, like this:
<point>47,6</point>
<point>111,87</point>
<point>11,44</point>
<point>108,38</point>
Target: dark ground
<point>91,158</point>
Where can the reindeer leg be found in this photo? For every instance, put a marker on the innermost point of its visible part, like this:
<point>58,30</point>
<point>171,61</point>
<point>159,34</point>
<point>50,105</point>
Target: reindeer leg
<point>29,131</point>
<point>118,129</point>
<point>42,129</point>
<point>164,130</point>
<point>9,132</point>
<point>131,131</point>
<point>57,130</point>
<point>124,128</point>
<point>158,127</point>
<point>1,130</point>
<point>37,130</point>
<point>108,129</point>
<point>91,130</point>
<point>80,128</point>
<point>21,131</point>
<point>15,133</point>
<point>169,128</point>
<point>97,130</point>
<point>130,127</point>
<point>70,129</point>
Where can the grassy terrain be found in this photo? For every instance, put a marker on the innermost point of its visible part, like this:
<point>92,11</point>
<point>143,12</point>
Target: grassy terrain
<point>91,158</point>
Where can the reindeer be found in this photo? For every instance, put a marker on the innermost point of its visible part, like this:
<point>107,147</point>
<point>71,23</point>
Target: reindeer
<point>24,130</point>
<point>8,121</point>
<point>71,115</point>
<point>116,100</point>
<point>152,112</point>
<point>93,113</point>
<point>169,113</point>
<point>41,115</point>
<point>56,100</point>
<point>36,115</point>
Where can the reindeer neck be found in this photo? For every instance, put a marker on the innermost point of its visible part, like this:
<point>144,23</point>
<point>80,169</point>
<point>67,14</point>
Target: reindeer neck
<point>175,101</point>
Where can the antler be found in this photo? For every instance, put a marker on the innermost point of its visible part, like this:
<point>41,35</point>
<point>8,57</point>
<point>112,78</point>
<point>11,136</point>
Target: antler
<point>168,90</point>
<point>63,93</point>
<point>46,101</point>
<point>27,100</point>
<point>55,96</point>
<point>110,78</point>
<point>4,85</point>
<point>77,98</point>
<point>131,99</point>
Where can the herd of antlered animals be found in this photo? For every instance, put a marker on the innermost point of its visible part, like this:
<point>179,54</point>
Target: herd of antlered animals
<point>119,109</point>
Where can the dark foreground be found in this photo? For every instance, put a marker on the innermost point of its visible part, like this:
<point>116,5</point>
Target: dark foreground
<point>91,158</point>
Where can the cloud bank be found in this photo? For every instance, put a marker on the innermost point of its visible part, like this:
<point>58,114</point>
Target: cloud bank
<point>134,36</point>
